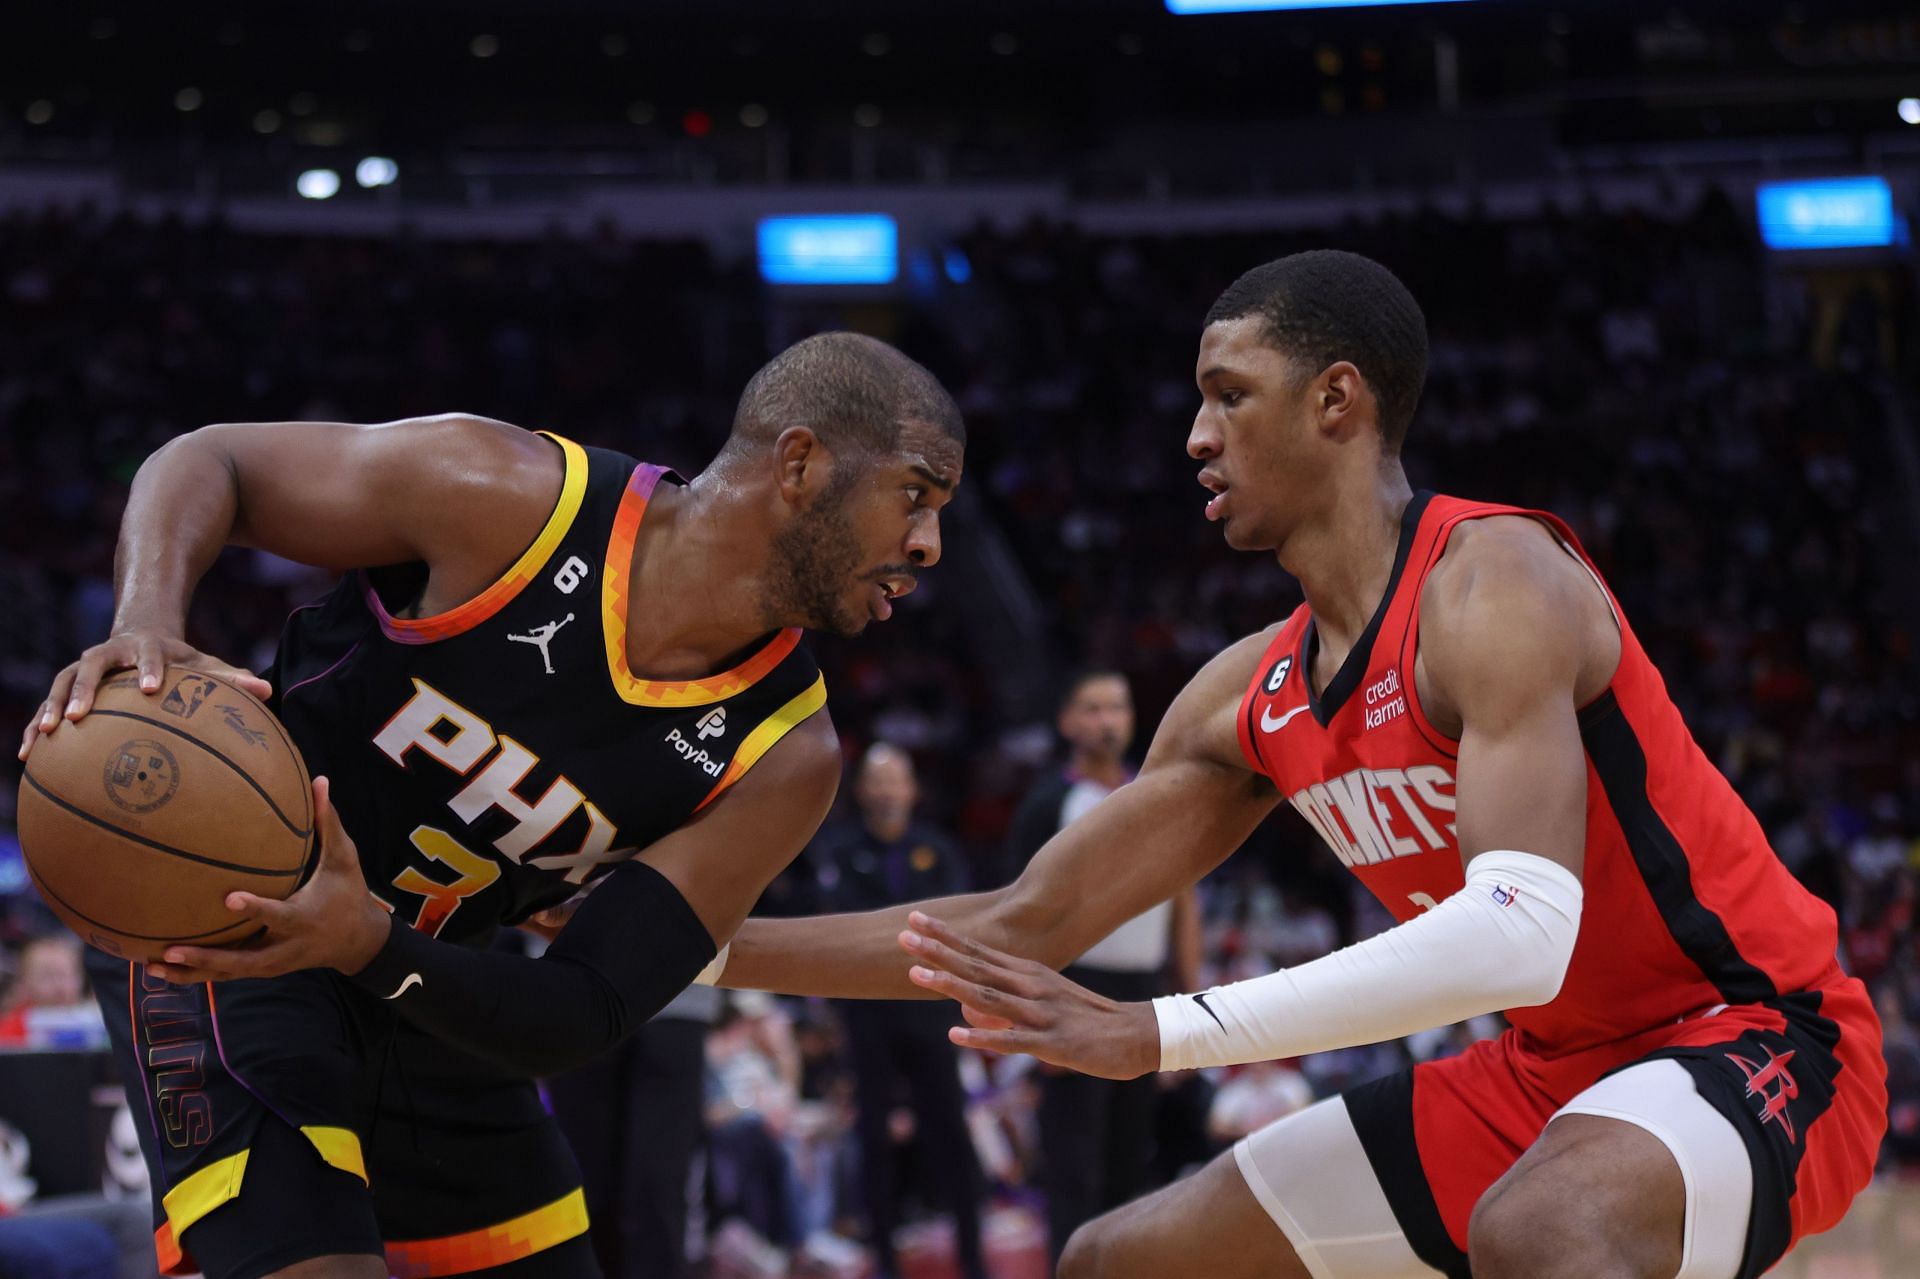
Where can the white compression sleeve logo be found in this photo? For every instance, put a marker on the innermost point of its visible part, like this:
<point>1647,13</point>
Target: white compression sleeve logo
<point>1503,941</point>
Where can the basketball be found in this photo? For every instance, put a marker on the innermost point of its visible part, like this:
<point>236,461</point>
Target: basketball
<point>137,821</point>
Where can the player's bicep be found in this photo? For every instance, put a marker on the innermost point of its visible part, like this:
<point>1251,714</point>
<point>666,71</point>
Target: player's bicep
<point>1522,785</point>
<point>1506,652</point>
<point>724,858</point>
<point>342,495</point>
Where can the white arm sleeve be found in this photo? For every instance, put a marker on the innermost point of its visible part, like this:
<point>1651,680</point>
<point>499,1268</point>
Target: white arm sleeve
<point>1503,941</point>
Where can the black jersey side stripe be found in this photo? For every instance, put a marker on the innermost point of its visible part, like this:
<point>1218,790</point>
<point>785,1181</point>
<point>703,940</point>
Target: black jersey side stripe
<point>1621,764</point>
<point>1382,1115</point>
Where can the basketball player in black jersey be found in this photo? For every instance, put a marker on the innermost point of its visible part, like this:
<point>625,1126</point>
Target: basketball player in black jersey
<point>548,667</point>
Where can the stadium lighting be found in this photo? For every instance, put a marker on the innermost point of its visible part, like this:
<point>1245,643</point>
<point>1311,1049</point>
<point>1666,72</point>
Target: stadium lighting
<point>318,184</point>
<point>1910,110</point>
<point>1267,6</point>
<point>376,171</point>
<point>857,248</point>
<point>1831,213</point>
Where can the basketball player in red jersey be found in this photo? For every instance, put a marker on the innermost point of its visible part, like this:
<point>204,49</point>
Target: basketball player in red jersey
<point>1460,709</point>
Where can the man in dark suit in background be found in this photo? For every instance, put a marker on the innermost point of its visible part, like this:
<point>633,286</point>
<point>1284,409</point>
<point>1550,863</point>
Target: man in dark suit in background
<point>1097,1135</point>
<point>884,858</point>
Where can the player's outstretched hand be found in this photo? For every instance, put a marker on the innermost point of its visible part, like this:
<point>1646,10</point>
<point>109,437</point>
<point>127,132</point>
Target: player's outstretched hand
<point>148,652</point>
<point>330,922</point>
<point>1017,1006</point>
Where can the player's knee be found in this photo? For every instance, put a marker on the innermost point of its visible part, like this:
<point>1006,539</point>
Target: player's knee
<point>1085,1254</point>
<point>1515,1236</point>
<point>1508,1239</point>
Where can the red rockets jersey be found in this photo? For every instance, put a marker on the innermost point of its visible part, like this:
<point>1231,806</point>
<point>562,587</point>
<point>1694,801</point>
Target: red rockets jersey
<point>1686,905</point>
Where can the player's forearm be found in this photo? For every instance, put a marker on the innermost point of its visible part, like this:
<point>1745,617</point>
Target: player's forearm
<point>1503,941</point>
<point>632,946</point>
<point>1188,940</point>
<point>179,515</point>
<point>845,956</point>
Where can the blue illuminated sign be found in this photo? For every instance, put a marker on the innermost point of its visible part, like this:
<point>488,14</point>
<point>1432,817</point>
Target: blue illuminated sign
<point>1267,6</point>
<point>853,248</point>
<point>1832,213</point>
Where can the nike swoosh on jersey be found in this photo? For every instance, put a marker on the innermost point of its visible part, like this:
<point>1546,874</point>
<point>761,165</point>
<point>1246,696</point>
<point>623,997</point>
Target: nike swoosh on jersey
<point>1268,724</point>
<point>413,979</point>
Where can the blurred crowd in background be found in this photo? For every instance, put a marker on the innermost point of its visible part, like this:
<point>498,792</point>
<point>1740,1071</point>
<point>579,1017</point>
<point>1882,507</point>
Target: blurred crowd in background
<point>1723,436</point>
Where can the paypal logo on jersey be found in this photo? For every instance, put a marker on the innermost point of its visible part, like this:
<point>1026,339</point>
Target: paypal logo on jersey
<point>695,754</point>
<point>713,723</point>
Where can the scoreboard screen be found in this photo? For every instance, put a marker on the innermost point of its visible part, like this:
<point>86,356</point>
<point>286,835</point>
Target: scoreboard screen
<point>1269,6</point>
<point>1829,213</point>
<point>841,248</point>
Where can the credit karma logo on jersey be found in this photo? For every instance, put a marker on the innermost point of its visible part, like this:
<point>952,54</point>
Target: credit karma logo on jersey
<point>1372,815</point>
<point>1385,701</point>
<point>698,755</point>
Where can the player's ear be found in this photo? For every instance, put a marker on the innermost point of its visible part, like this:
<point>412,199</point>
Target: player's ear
<point>1336,397</point>
<point>803,465</point>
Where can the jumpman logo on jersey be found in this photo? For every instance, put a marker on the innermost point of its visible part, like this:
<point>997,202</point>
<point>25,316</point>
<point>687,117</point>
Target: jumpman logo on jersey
<point>1775,1071</point>
<point>542,635</point>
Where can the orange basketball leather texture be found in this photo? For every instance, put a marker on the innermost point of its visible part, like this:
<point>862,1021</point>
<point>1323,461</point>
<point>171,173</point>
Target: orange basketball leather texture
<point>137,821</point>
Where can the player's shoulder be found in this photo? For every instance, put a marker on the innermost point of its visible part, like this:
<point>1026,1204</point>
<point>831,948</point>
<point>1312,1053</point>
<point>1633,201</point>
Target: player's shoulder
<point>1499,570</point>
<point>1507,608</point>
<point>805,762</point>
<point>459,456</point>
<point>1202,723</point>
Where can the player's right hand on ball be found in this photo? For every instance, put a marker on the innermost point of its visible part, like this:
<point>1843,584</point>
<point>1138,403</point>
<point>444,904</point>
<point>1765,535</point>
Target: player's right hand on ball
<point>148,652</point>
<point>331,921</point>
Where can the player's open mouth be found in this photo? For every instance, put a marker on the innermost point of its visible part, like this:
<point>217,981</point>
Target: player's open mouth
<point>1216,505</point>
<point>888,589</point>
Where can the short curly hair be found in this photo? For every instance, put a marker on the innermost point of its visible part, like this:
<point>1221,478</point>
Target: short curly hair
<point>1325,305</point>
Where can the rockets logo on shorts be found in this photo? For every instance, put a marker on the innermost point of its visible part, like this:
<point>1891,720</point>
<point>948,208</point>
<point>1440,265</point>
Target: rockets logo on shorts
<point>1773,1107</point>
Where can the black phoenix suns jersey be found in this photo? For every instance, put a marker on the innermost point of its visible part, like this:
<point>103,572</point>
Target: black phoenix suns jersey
<point>491,759</point>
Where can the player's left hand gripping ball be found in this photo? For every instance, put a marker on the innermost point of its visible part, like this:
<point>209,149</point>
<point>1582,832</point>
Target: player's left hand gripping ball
<point>1018,1006</point>
<point>331,922</point>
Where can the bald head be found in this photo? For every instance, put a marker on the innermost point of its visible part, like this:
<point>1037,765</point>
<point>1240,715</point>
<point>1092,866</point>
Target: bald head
<point>855,393</point>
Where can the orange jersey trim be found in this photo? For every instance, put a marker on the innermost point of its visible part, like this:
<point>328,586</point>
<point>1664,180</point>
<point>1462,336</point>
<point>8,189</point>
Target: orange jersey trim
<point>426,630</point>
<point>563,1219</point>
<point>766,733</point>
<point>615,597</point>
<point>166,1250</point>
